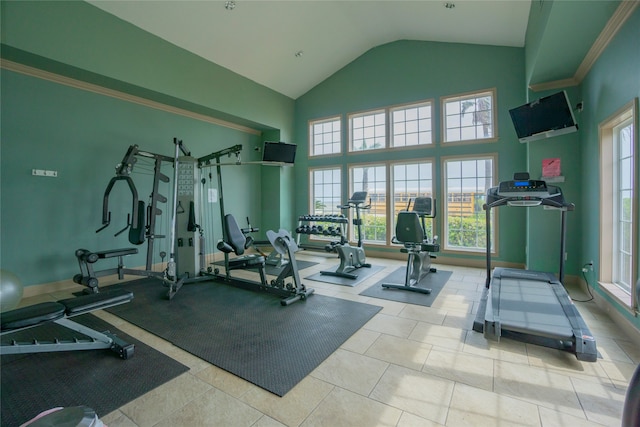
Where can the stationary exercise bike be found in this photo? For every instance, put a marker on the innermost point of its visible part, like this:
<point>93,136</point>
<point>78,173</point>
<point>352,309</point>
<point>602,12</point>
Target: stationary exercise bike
<point>411,233</point>
<point>351,257</point>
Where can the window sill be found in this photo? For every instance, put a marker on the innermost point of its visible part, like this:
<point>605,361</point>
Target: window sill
<point>624,298</point>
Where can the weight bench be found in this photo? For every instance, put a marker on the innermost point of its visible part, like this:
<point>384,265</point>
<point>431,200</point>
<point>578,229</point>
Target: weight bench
<point>89,277</point>
<point>60,313</point>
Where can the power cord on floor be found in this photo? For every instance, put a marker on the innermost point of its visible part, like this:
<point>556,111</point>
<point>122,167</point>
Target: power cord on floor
<point>584,274</point>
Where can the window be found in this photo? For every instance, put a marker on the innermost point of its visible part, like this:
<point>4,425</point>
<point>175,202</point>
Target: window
<point>618,204</point>
<point>469,117</point>
<point>411,125</point>
<point>411,180</point>
<point>326,137</point>
<point>368,131</point>
<point>373,180</point>
<point>623,237</point>
<point>326,192</point>
<point>466,182</point>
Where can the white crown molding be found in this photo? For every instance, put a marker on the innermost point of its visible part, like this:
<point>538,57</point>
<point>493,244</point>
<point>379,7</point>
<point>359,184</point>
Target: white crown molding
<point>90,87</point>
<point>617,20</point>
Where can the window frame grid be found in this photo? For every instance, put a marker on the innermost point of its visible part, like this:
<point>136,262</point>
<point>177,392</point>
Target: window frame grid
<point>393,213</point>
<point>392,123</point>
<point>312,198</point>
<point>373,211</point>
<point>445,244</point>
<point>312,134</point>
<point>362,115</point>
<point>492,93</point>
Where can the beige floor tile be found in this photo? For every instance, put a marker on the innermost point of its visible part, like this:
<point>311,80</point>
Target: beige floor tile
<point>403,352</point>
<point>214,408</point>
<point>438,336</point>
<point>266,421</point>
<point>455,366</point>
<point>478,408</point>
<point>159,403</point>
<point>551,418</point>
<point>391,325</point>
<point>564,362</point>
<point>453,302</point>
<point>610,350</point>
<point>391,308</point>
<point>360,341</point>
<point>631,349</point>
<point>293,407</point>
<point>538,386</point>
<point>602,404</point>
<point>620,373</point>
<point>423,314</point>
<point>351,371</point>
<point>344,408</point>
<point>459,320</point>
<point>507,350</point>
<point>224,381</point>
<point>117,419</point>
<point>415,392</point>
<point>410,420</point>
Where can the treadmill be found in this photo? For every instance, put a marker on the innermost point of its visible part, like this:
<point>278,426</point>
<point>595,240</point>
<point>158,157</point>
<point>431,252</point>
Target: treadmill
<point>531,306</point>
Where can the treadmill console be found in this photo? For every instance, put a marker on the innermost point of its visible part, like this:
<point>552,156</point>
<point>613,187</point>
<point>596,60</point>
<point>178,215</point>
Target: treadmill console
<point>525,192</point>
<point>523,188</point>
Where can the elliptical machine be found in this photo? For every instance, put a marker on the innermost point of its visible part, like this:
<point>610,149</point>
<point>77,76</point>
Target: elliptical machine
<point>351,257</point>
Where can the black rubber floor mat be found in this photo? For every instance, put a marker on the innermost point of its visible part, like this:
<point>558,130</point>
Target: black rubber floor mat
<point>99,379</point>
<point>247,333</point>
<point>434,281</point>
<point>363,273</point>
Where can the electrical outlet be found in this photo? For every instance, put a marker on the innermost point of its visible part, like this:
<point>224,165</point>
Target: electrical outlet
<point>42,172</point>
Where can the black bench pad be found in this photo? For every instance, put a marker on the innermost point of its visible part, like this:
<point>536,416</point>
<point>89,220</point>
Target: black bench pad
<point>87,303</point>
<point>116,252</point>
<point>32,315</point>
<point>36,314</point>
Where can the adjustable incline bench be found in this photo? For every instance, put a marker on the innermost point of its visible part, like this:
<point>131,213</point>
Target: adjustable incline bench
<point>60,313</point>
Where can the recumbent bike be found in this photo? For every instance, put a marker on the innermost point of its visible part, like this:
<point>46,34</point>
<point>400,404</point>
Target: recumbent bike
<point>411,233</point>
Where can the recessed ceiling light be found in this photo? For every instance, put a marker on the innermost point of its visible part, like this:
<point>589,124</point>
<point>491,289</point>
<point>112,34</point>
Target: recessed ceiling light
<point>449,5</point>
<point>230,5</point>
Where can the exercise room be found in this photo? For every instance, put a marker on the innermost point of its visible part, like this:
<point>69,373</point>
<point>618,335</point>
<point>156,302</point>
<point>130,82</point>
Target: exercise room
<point>319,213</point>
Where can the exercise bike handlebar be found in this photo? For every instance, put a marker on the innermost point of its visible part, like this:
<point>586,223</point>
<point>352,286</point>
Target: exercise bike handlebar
<point>355,204</point>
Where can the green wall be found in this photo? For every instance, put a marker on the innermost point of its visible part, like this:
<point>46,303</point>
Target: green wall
<point>543,225</point>
<point>83,135</point>
<point>410,71</point>
<point>613,81</point>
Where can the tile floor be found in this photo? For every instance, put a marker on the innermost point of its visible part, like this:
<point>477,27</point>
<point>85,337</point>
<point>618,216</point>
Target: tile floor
<point>409,366</point>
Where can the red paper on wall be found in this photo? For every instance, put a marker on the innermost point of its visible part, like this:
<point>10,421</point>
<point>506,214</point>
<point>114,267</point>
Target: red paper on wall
<point>551,167</point>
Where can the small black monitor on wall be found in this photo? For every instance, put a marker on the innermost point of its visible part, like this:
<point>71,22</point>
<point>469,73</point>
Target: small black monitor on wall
<point>544,118</point>
<point>279,152</point>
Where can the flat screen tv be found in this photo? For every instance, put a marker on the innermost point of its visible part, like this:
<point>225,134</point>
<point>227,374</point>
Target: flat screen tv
<point>544,118</point>
<point>279,152</point>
